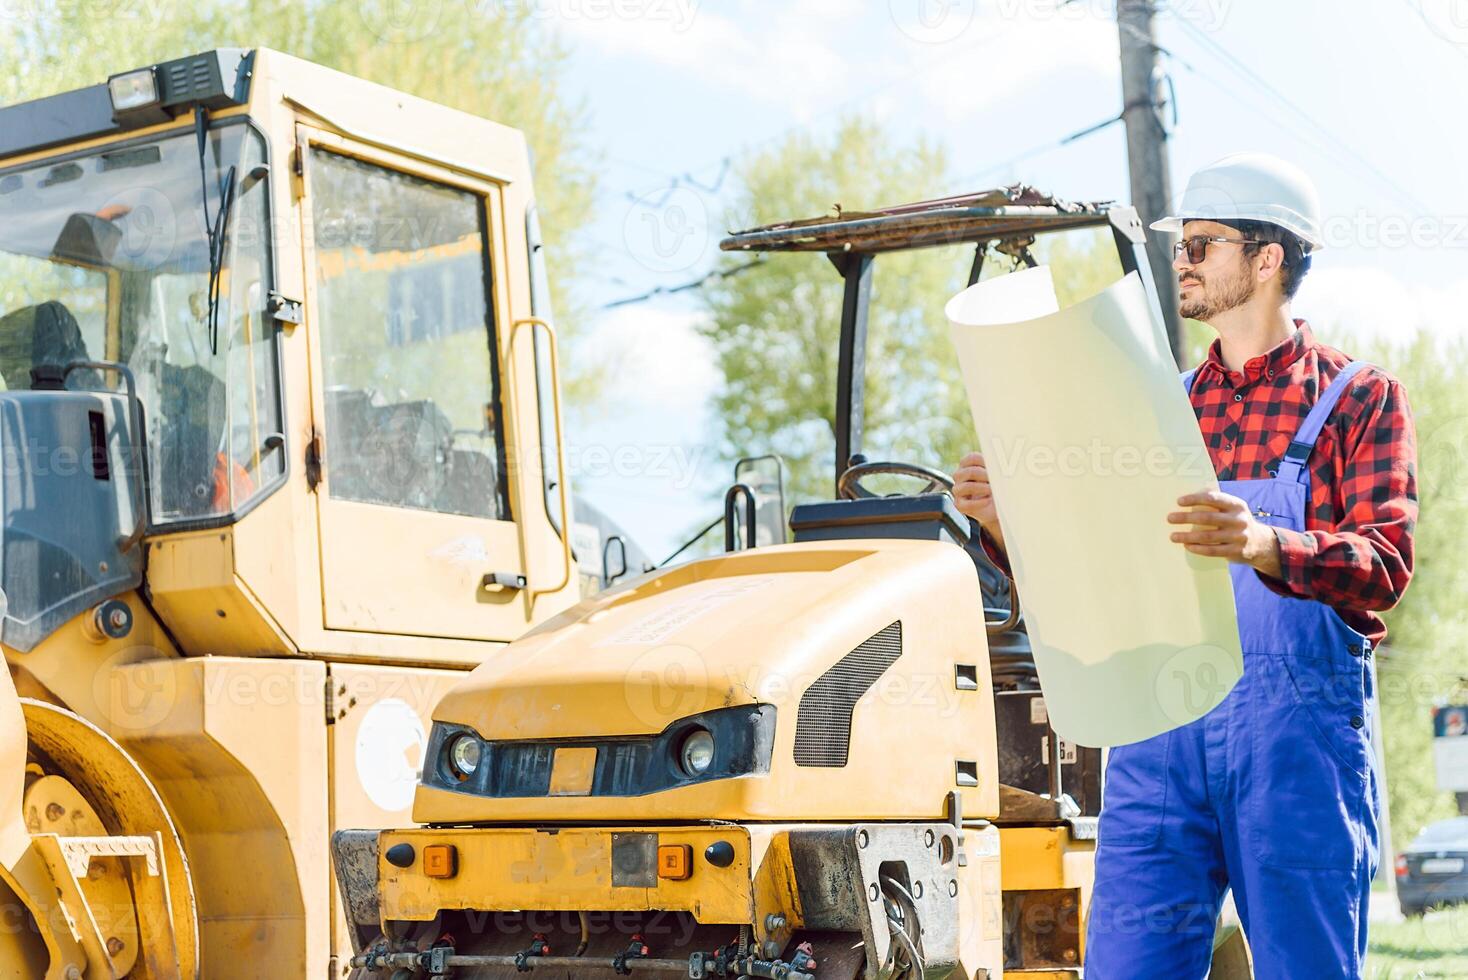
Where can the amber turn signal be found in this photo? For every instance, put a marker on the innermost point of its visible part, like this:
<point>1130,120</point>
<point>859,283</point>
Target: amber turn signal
<point>675,861</point>
<point>440,860</point>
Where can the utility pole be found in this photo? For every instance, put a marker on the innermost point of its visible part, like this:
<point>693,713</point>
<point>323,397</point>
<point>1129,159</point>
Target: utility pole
<point>1146,149</point>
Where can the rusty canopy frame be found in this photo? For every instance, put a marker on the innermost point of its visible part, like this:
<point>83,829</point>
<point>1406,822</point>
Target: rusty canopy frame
<point>1010,218</point>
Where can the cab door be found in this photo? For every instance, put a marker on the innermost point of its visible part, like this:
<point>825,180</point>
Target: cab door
<point>405,308</point>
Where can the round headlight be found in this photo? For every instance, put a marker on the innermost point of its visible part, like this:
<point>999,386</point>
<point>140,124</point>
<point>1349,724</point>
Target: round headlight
<point>696,753</point>
<point>464,753</point>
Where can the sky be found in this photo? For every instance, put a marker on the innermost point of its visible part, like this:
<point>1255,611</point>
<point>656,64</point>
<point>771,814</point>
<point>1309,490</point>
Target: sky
<point>1360,93</point>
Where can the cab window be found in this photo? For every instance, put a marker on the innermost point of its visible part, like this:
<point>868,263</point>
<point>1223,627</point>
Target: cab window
<point>105,257</point>
<point>404,315</point>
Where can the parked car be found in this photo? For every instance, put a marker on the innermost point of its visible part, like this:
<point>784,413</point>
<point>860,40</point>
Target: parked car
<point>1433,870</point>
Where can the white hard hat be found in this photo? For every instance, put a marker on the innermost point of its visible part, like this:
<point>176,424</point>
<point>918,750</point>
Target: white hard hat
<point>1251,187</point>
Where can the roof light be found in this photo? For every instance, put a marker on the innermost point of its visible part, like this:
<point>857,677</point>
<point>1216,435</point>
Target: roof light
<point>133,90</point>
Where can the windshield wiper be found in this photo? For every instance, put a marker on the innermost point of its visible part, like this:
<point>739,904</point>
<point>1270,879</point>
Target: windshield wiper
<point>216,229</point>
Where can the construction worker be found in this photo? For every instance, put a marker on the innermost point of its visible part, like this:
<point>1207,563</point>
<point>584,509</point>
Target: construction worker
<point>1274,793</point>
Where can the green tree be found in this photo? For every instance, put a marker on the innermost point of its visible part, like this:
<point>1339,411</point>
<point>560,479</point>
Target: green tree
<point>774,329</point>
<point>490,59</point>
<point>1422,662</point>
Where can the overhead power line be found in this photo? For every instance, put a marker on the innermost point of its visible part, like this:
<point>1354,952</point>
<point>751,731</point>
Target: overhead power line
<point>1253,78</point>
<point>695,284</point>
<point>1038,149</point>
<point>726,159</point>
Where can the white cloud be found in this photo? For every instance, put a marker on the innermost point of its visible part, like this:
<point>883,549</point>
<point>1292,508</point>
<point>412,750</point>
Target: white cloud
<point>825,11</point>
<point>786,62</point>
<point>658,359</point>
<point>1372,302</point>
<point>812,57</point>
<point>647,455</point>
<point>1006,54</point>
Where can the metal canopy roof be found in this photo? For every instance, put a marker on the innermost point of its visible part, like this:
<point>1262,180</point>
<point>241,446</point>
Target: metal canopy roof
<point>1005,212</point>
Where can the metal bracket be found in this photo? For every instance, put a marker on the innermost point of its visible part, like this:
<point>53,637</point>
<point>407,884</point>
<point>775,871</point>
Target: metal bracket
<point>840,876</point>
<point>283,309</point>
<point>79,852</point>
<point>1017,247</point>
<point>538,947</point>
<point>436,960</point>
<point>354,859</point>
<point>955,817</point>
<point>1083,828</point>
<point>636,950</point>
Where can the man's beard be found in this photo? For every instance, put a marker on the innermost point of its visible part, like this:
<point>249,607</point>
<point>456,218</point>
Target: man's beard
<point>1218,298</point>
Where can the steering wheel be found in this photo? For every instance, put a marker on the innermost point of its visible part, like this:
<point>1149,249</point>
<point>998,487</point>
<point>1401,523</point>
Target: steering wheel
<point>849,487</point>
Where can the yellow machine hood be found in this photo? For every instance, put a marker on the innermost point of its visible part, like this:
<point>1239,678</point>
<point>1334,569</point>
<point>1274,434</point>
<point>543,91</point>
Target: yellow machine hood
<point>765,627</point>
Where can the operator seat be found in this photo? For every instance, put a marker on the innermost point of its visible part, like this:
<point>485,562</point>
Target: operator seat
<point>45,333</point>
<point>187,456</point>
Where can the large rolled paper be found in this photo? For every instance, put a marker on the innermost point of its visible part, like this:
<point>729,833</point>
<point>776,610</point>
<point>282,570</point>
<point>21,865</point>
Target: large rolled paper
<point>1089,440</point>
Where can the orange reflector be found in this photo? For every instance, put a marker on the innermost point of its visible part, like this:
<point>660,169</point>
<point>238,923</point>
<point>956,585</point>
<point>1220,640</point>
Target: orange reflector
<point>675,861</point>
<point>440,860</point>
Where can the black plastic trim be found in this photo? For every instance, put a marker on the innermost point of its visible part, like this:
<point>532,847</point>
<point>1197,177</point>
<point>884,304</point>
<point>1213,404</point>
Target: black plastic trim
<point>631,765</point>
<point>492,329</point>
<point>823,722</point>
<point>86,113</point>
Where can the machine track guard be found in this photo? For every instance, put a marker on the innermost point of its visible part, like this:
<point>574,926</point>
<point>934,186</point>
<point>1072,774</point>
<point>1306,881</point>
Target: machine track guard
<point>354,856</point>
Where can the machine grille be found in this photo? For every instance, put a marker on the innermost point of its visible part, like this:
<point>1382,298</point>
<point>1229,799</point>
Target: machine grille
<point>823,725</point>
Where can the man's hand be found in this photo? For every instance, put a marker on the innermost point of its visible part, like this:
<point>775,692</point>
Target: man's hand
<point>1225,527</point>
<point>974,496</point>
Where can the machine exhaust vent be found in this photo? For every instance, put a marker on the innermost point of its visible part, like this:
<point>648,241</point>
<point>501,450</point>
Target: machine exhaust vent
<point>823,726</point>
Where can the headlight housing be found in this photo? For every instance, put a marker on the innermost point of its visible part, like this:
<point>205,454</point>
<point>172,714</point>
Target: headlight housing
<point>464,753</point>
<point>723,743</point>
<point>696,752</point>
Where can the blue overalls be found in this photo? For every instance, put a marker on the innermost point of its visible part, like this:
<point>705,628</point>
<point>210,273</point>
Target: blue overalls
<point>1273,793</point>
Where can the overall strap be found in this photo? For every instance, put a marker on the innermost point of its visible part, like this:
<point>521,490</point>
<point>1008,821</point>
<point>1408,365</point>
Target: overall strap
<point>1304,441</point>
<point>1188,377</point>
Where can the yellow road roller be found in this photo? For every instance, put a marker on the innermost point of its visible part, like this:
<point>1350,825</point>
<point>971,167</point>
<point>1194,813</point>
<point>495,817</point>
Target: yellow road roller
<point>817,760</point>
<point>282,456</point>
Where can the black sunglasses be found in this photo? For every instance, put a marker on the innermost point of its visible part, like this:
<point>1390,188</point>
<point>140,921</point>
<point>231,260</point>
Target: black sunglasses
<point>1197,246</point>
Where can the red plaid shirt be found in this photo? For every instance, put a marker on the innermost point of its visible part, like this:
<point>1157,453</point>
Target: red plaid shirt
<point>1355,553</point>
